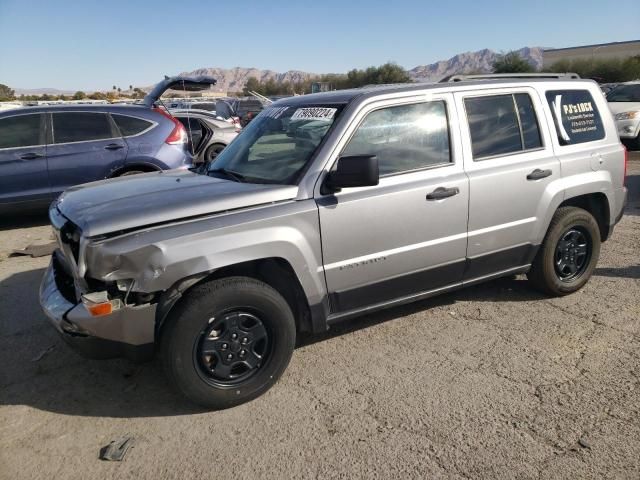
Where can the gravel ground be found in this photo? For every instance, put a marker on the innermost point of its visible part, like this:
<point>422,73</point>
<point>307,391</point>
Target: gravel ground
<point>495,381</point>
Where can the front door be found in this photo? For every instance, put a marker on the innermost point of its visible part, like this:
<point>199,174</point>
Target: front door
<point>403,236</point>
<point>84,146</point>
<point>23,163</point>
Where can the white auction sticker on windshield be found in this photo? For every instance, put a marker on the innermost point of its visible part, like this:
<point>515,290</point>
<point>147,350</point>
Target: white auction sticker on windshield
<point>314,113</point>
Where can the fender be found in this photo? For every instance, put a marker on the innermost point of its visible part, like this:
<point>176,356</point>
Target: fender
<point>156,258</point>
<point>569,187</point>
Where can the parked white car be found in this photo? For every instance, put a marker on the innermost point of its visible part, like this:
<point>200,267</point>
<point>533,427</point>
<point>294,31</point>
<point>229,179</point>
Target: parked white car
<point>624,103</point>
<point>208,134</point>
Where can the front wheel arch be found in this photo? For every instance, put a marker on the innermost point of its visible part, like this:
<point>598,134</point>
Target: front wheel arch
<point>274,271</point>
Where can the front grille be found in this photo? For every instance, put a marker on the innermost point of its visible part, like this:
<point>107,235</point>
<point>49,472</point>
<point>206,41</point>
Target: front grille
<point>63,279</point>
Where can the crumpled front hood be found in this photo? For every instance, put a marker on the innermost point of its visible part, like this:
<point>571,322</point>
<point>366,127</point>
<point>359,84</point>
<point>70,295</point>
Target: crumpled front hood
<point>151,198</point>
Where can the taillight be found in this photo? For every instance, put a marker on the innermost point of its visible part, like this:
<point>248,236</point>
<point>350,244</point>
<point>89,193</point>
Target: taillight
<point>178,135</point>
<point>626,163</point>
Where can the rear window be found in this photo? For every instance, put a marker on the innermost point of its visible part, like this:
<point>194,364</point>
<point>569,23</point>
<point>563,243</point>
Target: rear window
<point>502,125</point>
<point>130,125</point>
<point>575,116</point>
<point>80,127</point>
<point>20,131</point>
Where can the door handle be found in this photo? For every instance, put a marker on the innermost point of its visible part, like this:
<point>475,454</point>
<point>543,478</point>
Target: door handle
<point>31,156</point>
<point>537,174</point>
<point>441,192</point>
<point>114,146</point>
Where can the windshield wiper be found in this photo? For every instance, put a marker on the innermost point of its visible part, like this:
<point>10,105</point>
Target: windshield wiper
<point>235,176</point>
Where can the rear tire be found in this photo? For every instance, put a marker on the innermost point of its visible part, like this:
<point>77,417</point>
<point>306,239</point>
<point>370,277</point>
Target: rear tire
<point>228,341</point>
<point>212,152</point>
<point>569,253</point>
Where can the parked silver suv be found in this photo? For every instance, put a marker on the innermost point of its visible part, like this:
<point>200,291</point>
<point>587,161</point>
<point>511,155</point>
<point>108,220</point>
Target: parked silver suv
<point>329,206</point>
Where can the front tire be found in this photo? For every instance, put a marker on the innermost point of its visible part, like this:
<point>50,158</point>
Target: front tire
<point>228,341</point>
<point>569,253</point>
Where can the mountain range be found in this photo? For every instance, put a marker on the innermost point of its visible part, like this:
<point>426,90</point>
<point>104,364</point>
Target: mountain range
<point>234,79</point>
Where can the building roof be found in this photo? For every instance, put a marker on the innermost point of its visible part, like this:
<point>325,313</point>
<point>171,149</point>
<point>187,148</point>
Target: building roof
<point>592,46</point>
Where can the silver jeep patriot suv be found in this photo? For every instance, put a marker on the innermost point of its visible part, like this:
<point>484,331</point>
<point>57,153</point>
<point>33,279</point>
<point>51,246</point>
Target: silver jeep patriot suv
<point>329,206</point>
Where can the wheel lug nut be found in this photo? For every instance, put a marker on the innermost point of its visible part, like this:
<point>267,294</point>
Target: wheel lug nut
<point>225,346</point>
<point>245,340</point>
<point>243,353</point>
<point>234,336</point>
<point>229,357</point>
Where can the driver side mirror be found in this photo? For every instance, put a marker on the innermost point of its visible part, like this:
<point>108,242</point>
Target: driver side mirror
<point>354,171</point>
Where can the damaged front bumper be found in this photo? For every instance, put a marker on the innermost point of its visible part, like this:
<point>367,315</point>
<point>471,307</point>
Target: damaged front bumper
<point>127,332</point>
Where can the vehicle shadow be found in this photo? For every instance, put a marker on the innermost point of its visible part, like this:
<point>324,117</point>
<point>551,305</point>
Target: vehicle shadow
<point>41,371</point>
<point>631,271</point>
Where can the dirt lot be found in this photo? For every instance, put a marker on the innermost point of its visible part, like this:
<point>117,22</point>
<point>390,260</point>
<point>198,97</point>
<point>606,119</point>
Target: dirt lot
<point>495,381</point>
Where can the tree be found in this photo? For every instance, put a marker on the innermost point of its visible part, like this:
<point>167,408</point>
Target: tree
<point>130,87</point>
<point>6,93</point>
<point>119,90</point>
<point>253,84</point>
<point>604,71</point>
<point>79,95</point>
<point>98,96</point>
<point>512,62</point>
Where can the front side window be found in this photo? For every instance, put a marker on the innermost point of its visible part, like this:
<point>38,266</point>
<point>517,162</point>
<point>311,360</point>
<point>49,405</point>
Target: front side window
<point>575,116</point>
<point>130,125</point>
<point>404,137</point>
<point>277,145</point>
<point>20,131</point>
<point>625,93</point>
<point>80,127</point>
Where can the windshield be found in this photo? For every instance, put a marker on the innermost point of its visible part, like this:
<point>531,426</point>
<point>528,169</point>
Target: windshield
<point>625,93</point>
<point>277,145</point>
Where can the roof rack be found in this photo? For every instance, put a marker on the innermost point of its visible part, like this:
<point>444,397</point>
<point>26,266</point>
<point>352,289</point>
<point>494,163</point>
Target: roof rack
<point>500,76</point>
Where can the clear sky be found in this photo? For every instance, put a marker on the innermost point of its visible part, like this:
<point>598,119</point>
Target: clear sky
<point>89,44</point>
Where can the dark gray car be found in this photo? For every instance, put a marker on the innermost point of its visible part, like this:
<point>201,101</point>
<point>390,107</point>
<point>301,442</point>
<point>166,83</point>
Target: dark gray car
<point>46,149</point>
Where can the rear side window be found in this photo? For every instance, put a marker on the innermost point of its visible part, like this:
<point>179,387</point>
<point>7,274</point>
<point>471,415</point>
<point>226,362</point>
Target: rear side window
<point>130,125</point>
<point>575,115</point>
<point>404,138</point>
<point>502,124</point>
<point>20,131</point>
<point>80,127</point>
<point>528,122</point>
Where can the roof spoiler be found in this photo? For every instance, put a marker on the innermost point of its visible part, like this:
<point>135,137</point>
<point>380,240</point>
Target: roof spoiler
<point>506,76</point>
<point>188,84</point>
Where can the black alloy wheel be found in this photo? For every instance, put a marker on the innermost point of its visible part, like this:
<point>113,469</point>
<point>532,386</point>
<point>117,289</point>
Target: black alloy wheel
<point>231,348</point>
<point>573,252</point>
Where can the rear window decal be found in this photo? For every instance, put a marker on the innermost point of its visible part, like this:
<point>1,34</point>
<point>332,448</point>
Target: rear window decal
<point>576,117</point>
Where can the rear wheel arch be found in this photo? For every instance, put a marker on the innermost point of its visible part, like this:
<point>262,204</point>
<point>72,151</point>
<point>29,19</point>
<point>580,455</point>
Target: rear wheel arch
<point>274,271</point>
<point>597,204</point>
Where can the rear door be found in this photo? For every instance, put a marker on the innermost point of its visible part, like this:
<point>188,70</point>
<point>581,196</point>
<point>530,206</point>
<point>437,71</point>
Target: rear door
<point>83,147</point>
<point>510,163</point>
<point>398,239</point>
<point>23,164</point>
